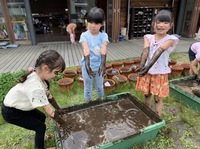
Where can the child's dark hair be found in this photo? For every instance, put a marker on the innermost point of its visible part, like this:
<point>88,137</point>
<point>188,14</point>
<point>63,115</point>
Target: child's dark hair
<point>164,16</point>
<point>51,58</point>
<point>96,15</point>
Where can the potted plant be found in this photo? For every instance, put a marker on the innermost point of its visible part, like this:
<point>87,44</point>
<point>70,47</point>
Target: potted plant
<point>109,85</point>
<point>111,72</point>
<point>117,65</point>
<point>120,79</point>
<point>80,81</point>
<point>69,73</point>
<point>65,84</point>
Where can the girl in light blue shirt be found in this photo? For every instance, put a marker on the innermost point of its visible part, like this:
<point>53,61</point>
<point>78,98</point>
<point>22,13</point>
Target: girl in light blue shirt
<point>94,43</point>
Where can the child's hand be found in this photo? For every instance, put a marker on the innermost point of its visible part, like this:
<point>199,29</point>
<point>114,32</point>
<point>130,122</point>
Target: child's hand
<point>138,69</point>
<point>143,71</point>
<point>102,68</point>
<point>61,111</point>
<point>90,72</point>
<point>87,65</point>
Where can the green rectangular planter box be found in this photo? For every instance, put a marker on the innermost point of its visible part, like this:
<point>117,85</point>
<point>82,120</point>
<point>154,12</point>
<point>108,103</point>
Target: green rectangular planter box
<point>182,96</point>
<point>143,135</point>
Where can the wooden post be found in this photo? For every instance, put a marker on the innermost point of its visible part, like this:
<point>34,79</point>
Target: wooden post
<point>194,19</point>
<point>116,20</point>
<point>8,22</point>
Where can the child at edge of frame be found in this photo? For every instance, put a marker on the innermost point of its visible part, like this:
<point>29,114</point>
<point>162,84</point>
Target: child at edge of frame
<point>153,69</point>
<point>71,30</point>
<point>31,92</point>
<point>194,57</point>
<point>94,43</point>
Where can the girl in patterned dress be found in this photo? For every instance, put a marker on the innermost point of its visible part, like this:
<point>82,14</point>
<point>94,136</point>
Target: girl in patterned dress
<point>153,70</point>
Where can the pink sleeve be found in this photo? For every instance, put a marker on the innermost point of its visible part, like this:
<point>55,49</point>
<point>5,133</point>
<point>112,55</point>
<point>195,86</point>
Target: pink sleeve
<point>149,37</point>
<point>176,40</point>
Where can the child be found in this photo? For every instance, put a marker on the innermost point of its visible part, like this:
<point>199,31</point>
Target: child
<point>94,44</point>
<point>194,57</point>
<point>31,92</point>
<point>71,30</point>
<point>153,70</point>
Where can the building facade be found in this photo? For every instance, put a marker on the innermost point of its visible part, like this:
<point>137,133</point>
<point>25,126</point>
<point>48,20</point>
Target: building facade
<point>35,21</point>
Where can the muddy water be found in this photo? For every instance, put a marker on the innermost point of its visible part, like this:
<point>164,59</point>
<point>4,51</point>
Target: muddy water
<point>187,86</point>
<point>104,123</point>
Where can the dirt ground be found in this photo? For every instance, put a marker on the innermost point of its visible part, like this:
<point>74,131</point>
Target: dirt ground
<point>183,134</point>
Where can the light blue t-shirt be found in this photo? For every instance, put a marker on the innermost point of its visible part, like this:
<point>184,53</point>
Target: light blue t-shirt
<point>94,44</point>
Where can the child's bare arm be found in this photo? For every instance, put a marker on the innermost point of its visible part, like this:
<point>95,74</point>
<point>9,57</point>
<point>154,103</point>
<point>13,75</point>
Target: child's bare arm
<point>85,47</point>
<point>194,65</point>
<point>104,48</point>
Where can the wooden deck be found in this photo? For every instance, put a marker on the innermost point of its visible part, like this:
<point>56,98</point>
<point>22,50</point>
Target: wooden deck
<point>13,59</point>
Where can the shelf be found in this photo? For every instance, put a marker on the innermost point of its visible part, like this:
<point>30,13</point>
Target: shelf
<point>81,4</point>
<point>141,19</point>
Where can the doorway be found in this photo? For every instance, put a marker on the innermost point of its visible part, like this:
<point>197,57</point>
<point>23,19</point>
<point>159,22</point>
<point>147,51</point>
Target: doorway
<point>50,19</point>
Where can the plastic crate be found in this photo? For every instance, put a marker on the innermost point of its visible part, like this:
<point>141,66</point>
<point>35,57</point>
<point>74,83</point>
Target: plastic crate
<point>187,99</point>
<point>142,135</point>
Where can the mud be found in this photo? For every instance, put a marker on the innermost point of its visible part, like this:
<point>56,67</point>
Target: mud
<point>187,86</point>
<point>103,123</point>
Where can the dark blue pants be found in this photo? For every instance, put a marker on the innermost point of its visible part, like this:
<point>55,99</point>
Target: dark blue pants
<point>191,54</point>
<point>32,120</point>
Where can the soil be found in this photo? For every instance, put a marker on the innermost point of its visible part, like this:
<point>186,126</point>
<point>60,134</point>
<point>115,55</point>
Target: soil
<point>116,120</point>
<point>182,133</point>
<point>188,86</point>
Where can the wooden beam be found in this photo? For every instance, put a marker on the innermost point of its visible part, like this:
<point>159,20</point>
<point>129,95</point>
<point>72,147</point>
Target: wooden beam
<point>194,19</point>
<point>8,22</point>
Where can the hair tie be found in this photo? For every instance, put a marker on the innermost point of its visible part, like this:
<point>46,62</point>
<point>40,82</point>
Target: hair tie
<point>30,69</point>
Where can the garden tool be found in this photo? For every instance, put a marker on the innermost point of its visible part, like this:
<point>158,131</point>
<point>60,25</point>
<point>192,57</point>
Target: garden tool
<point>88,68</point>
<point>196,92</point>
<point>63,124</point>
<point>102,68</point>
<point>53,102</point>
<point>143,71</point>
